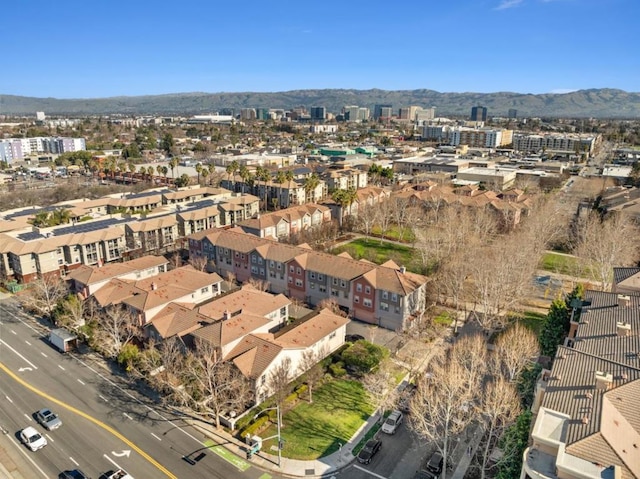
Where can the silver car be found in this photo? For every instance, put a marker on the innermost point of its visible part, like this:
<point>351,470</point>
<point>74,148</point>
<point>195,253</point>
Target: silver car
<point>48,419</point>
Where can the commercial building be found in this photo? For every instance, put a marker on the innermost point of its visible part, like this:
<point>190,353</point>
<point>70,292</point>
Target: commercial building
<point>479,113</point>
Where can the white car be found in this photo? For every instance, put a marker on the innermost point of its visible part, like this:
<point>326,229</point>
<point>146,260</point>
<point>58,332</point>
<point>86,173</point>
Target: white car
<point>32,438</point>
<point>393,421</point>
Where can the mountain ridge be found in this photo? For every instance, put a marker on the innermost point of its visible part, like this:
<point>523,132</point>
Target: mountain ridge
<point>593,102</point>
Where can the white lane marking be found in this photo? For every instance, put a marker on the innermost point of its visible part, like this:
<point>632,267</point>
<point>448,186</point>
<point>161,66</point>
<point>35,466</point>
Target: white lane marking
<point>27,342</point>
<point>369,472</point>
<point>21,449</point>
<point>13,332</point>
<point>80,381</point>
<point>97,373</point>
<point>103,398</point>
<point>156,437</point>
<point>27,416</point>
<point>25,359</point>
<point>112,461</point>
<point>9,399</point>
<point>49,438</point>
<point>74,461</point>
<point>23,322</point>
<point>127,416</point>
<point>60,367</point>
<point>44,354</point>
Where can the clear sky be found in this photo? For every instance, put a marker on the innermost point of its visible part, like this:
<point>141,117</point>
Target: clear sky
<point>100,48</point>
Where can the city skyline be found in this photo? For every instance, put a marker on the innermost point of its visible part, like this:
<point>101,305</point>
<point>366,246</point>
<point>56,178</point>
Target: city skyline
<point>77,50</point>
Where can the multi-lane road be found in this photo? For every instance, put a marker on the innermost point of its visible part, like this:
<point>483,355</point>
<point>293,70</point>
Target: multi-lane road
<point>107,422</point>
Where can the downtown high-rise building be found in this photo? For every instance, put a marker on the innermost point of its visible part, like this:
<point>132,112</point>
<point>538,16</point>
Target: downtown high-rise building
<point>479,113</point>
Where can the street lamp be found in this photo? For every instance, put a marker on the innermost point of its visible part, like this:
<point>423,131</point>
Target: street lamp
<point>277,408</point>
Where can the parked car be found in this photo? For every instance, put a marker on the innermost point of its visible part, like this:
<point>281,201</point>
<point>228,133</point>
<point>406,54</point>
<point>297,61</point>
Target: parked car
<point>392,423</point>
<point>435,463</point>
<point>73,474</point>
<point>424,474</point>
<point>369,450</point>
<point>31,438</point>
<point>48,419</point>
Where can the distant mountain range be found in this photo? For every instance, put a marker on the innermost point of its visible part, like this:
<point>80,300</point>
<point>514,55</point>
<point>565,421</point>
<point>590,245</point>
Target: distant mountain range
<point>597,103</point>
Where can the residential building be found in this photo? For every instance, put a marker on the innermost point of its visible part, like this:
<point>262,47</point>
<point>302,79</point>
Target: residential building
<point>313,276</point>
<point>492,177</point>
<point>572,143</point>
<point>626,281</point>
<point>287,222</point>
<point>585,406</point>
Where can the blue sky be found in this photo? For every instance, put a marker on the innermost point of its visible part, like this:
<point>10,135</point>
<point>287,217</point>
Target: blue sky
<point>100,48</point>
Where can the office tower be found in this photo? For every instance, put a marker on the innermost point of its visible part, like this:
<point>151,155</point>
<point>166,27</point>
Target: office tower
<point>318,113</point>
<point>382,111</point>
<point>513,113</point>
<point>479,113</point>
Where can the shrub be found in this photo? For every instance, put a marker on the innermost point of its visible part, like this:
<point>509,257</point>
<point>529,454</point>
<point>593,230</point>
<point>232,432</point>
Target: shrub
<point>300,390</point>
<point>364,355</point>
<point>128,356</point>
<point>254,427</point>
<point>338,369</point>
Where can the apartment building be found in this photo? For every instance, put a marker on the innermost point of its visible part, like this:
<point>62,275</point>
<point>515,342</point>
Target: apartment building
<point>13,149</point>
<point>313,276</point>
<point>577,143</point>
<point>472,137</point>
<point>586,423</point>
<point>290,221</point>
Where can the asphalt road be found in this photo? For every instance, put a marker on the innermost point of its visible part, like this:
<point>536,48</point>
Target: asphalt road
<point>107,422</point>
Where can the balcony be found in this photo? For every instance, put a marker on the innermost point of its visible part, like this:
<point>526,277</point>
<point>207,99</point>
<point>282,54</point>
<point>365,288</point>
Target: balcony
<point>538,464</point>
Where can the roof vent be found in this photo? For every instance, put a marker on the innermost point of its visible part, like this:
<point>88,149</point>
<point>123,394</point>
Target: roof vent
<point>585,420</point>
<point>603,380</point>
<point>154,286</point>
<point>589,396</point>
<point>624,300</point>
<point>403,269</point>
<point>623,329</point>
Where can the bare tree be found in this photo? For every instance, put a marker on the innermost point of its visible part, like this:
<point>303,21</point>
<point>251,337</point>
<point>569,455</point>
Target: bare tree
<point>603,244</point>
<point>43,294</point>
<point>198,262</point>
<point>332,305</point>
<point>216,385</point>
<point>258,284</point>
<point>380,386</point>
<point>367,217</point>
<point>385,218</point>
<point>115,329</point>
<point>499,407</point>
<point>440,407</point>
<point>311,367</point>
<point>471,353</point>
<point>278,381</point>
<point>514,349</point>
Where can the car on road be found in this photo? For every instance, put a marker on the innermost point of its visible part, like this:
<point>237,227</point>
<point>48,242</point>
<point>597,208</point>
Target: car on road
<point>424,474</point>
<point>392,423</point>
<point>31,438</point>
<point>73,474</point>
<point>369,450</point>
<point>48,419</point>
<point>119,474</point>
<point>435,463</point>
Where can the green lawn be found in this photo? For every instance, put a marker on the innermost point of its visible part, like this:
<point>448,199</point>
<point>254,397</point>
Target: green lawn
<point>311,431</point>
<point>532,320</point>
<point>395,232</point>
<point>559,263</point>
<point>378,252</point>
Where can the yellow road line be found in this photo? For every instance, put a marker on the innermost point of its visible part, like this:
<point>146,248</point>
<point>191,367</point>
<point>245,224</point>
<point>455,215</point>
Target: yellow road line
<point>89,418</point>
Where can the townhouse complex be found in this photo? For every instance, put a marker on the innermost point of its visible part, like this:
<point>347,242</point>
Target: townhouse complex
<point>251,328</point>
<point>586,405</point>
<point>386,295</point>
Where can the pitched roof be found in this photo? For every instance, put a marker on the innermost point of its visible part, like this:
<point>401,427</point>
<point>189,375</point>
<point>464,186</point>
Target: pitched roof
<point>628,278</point>
<point>176,319</point>
<point>248,300</point>
<point>92,274</point>
<point>311,331</point>
<point>253,355</point>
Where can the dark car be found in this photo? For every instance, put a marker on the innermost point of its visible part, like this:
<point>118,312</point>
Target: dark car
<point>73,474</point>
<point>435,463</point>
<point>368,451</point>
<point>424,474</point>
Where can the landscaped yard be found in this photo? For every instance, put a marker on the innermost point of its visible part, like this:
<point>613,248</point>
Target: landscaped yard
<point>311,431</point>
<point>559,263</point>
<point>378,251</point>
<point>396,233</point>
<point>532,320</point>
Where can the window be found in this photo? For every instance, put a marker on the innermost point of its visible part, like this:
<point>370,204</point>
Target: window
<point>312,275</point>
<point>290,279</point>
<point>253,259</point>
<point>356,299</point>
<point>312,285</point>
<point>335,281</point>
<point>359,288</point>
<point>260,260</point>
<point>271,264</point>
<point>397,309</point>
<point>254,269</point>
<point>205,290</point>
<point>385,295</point>
<point>332,335</point>
<point>384,306</point>
<point>366,302</point>
<point>283,311</point>
<point>279,265</point>
<point>237,254</point>
<point>261,271</point>
<point>346,294</point>
<point>367,290</point>
<point>394,297</point>
<point>298,271</point>
<point>291,269</point>
<point>299,282</point>
<point>334,292</point>
<point>320,277</point>
<point>322,289</point>
<point>343,284</point>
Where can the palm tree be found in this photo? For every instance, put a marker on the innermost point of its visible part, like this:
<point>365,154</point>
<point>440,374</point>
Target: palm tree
<point>311,182</point>
<point>164,171</point>
<point>232,169</point>
<point>345,199</point>
<point>150,173</point>
<point>173,162</point>
<point>289,175</point>
<point>262,174</point>
<point>212,169</point>
<point>132,170</point>
<point>280,179</point>
<point>245,174</point>
<point>199,170</point>
<point>205,173</point>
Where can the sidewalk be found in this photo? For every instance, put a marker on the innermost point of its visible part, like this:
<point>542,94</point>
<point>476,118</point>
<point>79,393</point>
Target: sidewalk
<point>288,467</point>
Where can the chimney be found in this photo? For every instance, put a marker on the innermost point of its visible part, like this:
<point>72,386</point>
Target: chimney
<point>154,286</point>
<point>624,300</point>
<point>227,315</point>
<point>623,329</point>
<point>603,380</point>
<point>403,269</point>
